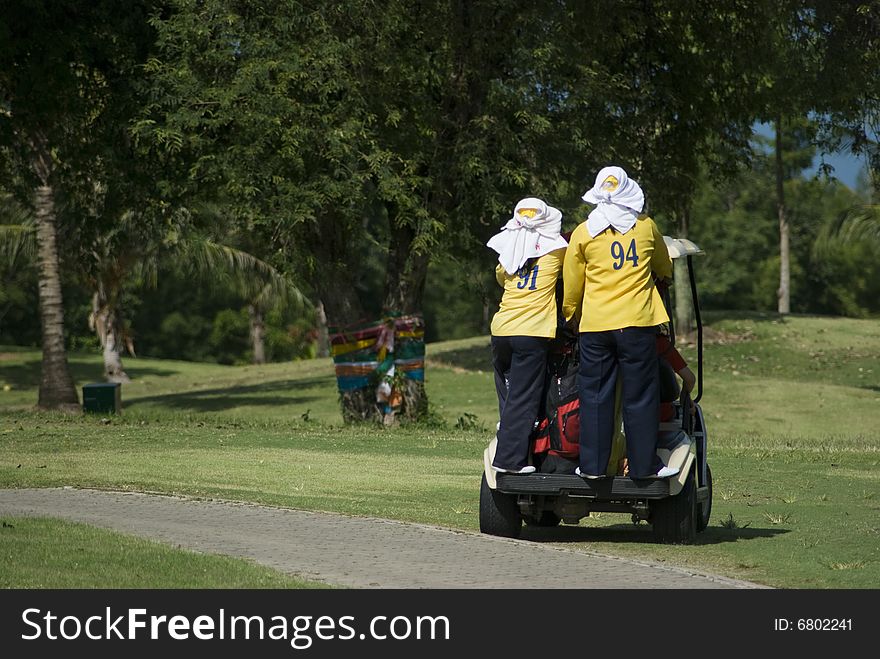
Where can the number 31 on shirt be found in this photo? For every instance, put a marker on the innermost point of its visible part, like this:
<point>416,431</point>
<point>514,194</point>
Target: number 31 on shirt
<point>620,258</point>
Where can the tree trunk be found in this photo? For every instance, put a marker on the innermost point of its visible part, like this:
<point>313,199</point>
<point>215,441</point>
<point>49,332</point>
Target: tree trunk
<point>684,308</point>
<point>404,290</point>
<point>57,391</point>
<point>405,273</point>
<point>784,292</point>
<point>106,324</point>
<point>258,333</point>
<point>323,332</point>
<point>336,289</point>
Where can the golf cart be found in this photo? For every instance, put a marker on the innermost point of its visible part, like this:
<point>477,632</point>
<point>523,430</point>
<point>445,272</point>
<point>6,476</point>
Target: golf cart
<point>677,507</point>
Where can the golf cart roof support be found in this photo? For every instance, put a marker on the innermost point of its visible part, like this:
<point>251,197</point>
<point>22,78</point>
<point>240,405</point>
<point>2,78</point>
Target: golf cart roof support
<point>699,321</point>
<point>677,248</point>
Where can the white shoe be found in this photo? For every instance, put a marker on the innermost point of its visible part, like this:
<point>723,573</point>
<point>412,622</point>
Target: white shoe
<point>666,472</point>
<point>591,477</point>
<point>528,469</point>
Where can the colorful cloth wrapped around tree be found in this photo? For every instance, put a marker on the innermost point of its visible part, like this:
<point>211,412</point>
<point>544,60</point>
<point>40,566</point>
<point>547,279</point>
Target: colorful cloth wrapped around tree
<point>372,358</point>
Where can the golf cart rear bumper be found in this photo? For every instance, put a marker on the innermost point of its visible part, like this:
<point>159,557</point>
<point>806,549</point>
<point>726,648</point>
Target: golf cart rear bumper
<point>616,488</point>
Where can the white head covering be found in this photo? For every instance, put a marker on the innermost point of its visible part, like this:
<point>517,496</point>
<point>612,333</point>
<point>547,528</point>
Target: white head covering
<point>532,232</point>
<point>618,199</point>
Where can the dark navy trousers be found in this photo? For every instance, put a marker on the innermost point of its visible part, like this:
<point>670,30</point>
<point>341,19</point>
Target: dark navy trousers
<point>631,354</point>
<point>520,364</point>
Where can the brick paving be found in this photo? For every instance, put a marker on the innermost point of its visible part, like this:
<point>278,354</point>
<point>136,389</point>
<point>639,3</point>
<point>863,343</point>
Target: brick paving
<point>352,552</point>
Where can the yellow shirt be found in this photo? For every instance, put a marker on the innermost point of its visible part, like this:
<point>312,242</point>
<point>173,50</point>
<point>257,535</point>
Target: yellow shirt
<point>608,278</point>
<point>528,305</point>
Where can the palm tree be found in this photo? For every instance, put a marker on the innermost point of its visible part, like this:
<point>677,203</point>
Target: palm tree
<point>131,254</point>
<point>858,223</point>
<point>57,391</point>
<point>272,295</point>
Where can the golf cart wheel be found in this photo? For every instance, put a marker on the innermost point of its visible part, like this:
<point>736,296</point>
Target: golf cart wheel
<point>499,514</point>
<point>674,519</point>
<point>705,508</point>
<point>547,518</point>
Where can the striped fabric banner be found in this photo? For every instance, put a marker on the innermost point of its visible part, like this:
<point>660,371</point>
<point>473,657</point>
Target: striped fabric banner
<point>363,354</point>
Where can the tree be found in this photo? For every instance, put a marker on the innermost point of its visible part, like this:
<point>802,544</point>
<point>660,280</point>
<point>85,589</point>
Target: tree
<point>685,87</point>
<point>682,101</point>
<point>320,122</point>
<point>848,78</point>
<point>793,70</point>
<point>61,65</point>
<point>17,257</point>
<point>364,130</point>
<point>858,223</point>
<point>735,224</point>
<point>131,254</point>
<point>823,68</point>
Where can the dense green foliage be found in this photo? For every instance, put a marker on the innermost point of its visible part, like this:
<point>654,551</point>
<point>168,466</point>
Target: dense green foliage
<point>366,151</point>
<point>736,224</point>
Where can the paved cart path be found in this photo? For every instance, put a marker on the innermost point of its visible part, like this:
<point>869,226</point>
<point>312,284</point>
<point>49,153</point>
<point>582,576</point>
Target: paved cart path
<point>354,552</point>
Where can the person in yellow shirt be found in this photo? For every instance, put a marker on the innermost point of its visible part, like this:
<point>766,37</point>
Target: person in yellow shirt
<point>608,283</point>
<point>530,256</point>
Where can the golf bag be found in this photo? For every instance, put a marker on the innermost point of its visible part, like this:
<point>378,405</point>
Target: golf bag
<point>558,433</point>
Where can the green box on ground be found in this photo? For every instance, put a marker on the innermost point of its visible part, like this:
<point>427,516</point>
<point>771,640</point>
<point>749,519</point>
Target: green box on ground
<point>102,397</point>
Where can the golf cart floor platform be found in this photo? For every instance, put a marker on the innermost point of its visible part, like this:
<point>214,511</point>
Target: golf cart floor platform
<point>618,487</point>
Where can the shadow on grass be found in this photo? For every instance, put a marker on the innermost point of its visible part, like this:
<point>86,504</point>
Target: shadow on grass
<point>630,533</point>
<point>477,358</point>
<point>26,375</point>
<point>137,372</point>
<point>224,398</point>
<point>712,316</point>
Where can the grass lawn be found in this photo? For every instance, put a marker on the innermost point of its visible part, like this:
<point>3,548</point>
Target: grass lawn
<point>792,409</point>
<point>65,555</point>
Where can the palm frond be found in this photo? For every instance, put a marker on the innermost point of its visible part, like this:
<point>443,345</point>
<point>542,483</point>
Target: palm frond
<point>256,279</point>
<point>857,224</point>
<point>17,242</point>
<point>860,223</point>
<point>17,231</point>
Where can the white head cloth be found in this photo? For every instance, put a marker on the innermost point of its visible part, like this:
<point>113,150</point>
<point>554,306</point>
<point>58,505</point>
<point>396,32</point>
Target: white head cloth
<point>618,199</point>
<point>533,231</point>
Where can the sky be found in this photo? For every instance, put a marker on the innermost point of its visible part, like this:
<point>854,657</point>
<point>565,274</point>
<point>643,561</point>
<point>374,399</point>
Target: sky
<point>847,167</point>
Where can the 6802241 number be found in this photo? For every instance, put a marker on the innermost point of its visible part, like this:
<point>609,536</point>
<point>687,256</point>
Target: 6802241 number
<point>824,624</point>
